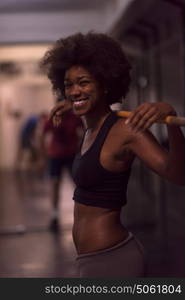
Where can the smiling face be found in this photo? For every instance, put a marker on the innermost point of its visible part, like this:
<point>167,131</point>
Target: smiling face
<point>83,90</point>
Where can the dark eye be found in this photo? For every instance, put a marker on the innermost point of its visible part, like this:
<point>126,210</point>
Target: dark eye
<point>67,85</point>
<point>84,82</point>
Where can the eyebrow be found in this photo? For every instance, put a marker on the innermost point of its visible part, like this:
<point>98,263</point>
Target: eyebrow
<point>78,78</point>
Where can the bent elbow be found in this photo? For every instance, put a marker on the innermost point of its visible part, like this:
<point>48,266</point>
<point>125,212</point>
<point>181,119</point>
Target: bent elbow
<point>181,182</point>
<point>175,175</point>
<point>178,179</point>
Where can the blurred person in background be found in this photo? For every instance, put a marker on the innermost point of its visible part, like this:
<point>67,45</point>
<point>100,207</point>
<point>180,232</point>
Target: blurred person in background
<point>27,155</point>
<point>58,147</point>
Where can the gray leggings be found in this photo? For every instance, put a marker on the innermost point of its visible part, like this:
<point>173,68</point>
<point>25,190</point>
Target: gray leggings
<point>125,259</point>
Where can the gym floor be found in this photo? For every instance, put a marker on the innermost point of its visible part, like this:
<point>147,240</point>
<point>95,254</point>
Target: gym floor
<point>29,249</point>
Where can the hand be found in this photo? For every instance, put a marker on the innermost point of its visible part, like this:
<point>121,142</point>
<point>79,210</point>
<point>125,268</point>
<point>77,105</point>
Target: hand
<point>59,110</point>
<point>146,114</point>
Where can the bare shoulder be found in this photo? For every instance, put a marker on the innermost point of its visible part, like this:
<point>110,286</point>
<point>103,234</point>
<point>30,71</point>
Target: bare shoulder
<point>129,134</point>
<point>123,132</point>
<point>119,137</point>
<point>115,154</point>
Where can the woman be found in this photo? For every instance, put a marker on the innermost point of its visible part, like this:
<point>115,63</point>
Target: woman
<point>92,72</point>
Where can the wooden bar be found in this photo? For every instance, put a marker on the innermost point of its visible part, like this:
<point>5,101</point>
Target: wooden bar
<point>180,121</point>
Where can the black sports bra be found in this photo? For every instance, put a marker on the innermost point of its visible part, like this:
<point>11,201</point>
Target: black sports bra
<point>96,186</point>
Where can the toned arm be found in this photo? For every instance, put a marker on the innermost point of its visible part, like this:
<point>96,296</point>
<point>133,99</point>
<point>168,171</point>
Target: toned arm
<point>168,164</point>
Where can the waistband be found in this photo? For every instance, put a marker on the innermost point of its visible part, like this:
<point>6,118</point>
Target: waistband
<point>122,243</point>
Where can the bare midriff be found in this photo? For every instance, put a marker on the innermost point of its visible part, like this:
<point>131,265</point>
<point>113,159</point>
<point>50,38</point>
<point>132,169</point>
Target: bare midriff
<point>96,228</point>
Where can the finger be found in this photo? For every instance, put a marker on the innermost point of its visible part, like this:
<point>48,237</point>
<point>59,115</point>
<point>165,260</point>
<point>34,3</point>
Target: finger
<point>138,113</point>
<point>148,118</point>
<point>149,123</point>
<point>137,117</point>
<point>56,123</point>
<point>57,120</point>
<point>55,110</point>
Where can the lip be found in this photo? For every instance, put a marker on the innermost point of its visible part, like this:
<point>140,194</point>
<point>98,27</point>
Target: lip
<point>78,100</point>
<point>80,104</point>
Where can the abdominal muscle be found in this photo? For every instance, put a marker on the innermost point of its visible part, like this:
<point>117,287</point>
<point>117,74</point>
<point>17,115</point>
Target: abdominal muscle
<point>96,228</point>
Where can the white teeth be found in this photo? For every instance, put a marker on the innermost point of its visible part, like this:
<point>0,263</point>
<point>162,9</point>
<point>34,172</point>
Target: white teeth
<point>79,103</point>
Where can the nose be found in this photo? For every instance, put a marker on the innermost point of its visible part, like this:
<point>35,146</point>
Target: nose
<point>75,91</point>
